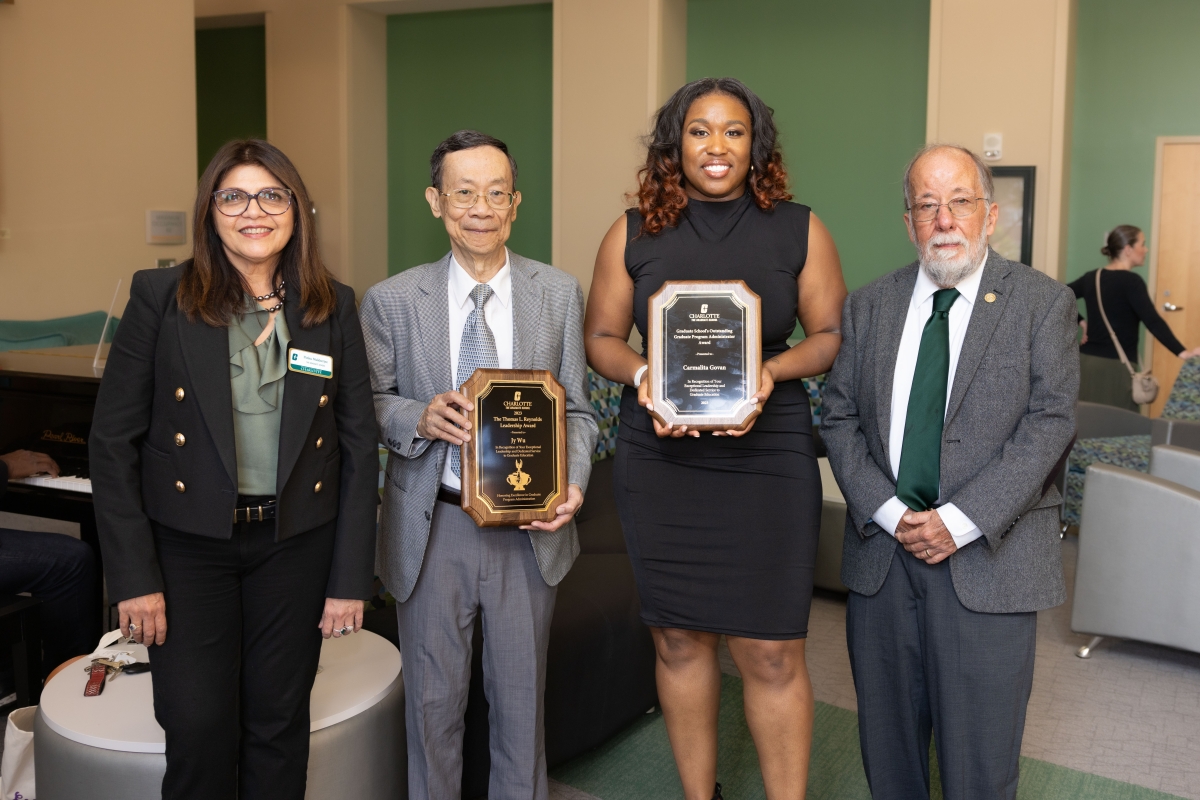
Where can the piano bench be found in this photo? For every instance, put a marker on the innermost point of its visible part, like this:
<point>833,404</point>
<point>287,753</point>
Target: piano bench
<point>21,634</point>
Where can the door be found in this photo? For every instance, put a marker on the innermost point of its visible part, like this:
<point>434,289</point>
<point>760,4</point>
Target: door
<point>1175,270</point>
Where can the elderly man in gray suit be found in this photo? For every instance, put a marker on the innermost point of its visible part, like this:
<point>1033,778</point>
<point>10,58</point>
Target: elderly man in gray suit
<point>427,330</point>
<point>950,404</point>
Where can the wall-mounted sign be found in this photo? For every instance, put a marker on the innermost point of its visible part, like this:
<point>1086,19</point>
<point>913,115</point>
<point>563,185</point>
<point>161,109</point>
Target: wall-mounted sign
<point>166,227</point>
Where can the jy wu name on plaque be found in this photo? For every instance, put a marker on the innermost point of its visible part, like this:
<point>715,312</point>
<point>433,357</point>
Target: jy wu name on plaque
<point>705,354</point>
<point>514,468</point>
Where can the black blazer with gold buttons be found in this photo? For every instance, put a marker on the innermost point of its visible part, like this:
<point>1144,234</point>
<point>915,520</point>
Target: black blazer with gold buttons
<point>162,444</point>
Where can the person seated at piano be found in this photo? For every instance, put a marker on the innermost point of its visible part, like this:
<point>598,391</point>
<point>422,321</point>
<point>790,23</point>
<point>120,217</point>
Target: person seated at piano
<point>56,569</point>
<point>234,472</point>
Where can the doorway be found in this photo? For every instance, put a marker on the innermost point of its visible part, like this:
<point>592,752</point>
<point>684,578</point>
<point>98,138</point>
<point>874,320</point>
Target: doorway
<point>231,82</point>
<point>1175,249</point>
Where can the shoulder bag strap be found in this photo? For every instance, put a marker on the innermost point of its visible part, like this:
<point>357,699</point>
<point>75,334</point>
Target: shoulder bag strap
<point>1103,316</point>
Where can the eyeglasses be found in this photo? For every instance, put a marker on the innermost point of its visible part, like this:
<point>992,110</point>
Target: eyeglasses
<point>465,198</point>
<point>234,202</point>
<point>959,207</point>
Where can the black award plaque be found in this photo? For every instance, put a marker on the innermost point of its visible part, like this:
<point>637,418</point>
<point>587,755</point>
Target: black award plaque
<point>705,354</point>
<point>514,468</point>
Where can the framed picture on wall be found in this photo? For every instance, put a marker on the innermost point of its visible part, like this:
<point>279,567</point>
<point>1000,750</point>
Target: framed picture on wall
<point>1013,237</point>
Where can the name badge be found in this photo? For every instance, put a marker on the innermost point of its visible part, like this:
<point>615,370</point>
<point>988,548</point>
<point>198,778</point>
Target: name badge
<point>307,363</point>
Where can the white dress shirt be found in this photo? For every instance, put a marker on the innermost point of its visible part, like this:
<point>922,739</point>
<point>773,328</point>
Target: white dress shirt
<point>498,313</point>
<point>919,310</point>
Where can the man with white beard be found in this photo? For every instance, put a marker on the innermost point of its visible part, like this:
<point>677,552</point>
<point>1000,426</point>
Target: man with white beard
<point>947,413</point>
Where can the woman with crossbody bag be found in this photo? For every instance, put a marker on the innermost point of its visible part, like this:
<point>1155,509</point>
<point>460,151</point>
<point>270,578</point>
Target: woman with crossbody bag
<point>1106,374</point>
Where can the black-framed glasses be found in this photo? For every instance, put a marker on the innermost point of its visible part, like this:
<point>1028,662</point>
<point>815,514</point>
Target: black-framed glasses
<point>234,202</point>
<point>465,198</point>
<point>959,207</point>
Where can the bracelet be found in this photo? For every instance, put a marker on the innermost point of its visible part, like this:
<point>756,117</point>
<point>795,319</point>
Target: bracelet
<point>637,376</point>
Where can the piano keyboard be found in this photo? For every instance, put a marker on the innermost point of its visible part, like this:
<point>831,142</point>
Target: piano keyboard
<point>81,485</point>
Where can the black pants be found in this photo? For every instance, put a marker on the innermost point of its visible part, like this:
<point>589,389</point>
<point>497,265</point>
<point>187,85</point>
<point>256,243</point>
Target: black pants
<point>232,681</point>
<point>61,572</point>
<point>922,661</point>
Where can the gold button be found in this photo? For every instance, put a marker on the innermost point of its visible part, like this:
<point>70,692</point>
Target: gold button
<point>989,298</point>
<point>320,441</point>
<point>323,401</point>
<point>180,440</point>
<point>316,488</point>
<point>179,394</point>
<point>179,487</point>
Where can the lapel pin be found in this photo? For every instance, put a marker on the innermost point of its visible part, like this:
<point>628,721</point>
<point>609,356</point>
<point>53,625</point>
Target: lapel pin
<point>990,297</point>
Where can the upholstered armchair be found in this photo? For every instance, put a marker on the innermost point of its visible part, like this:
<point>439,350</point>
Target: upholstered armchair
<point>1108,435</point>
<point>1139,553</point>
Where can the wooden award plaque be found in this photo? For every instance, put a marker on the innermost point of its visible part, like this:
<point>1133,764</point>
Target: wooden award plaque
<point>705,354</point>
<point>514,468</point>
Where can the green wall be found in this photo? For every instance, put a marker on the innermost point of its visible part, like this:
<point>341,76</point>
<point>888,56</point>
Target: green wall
<point>847,81</point>
<point>503,87</point>
<point>1137,76</point>
<point>231,88</point>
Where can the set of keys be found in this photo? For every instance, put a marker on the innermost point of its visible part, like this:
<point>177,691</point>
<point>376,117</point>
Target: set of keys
<point>101,670</point>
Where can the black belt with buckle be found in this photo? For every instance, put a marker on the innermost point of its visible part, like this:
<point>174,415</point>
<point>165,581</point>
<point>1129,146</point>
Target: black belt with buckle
<point>449,496</point>
<point>254,509</point>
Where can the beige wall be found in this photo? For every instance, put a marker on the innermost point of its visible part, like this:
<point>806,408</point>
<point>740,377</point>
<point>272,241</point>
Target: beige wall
<point>615,61</point>
<point>97,124</point>
<point>976,88</point>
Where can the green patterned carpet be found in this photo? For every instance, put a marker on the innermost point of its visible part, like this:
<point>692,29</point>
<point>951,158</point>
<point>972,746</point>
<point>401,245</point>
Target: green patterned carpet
<point>637,764</point>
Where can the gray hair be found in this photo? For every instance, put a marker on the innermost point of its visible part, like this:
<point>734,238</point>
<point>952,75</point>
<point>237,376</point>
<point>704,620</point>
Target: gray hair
<point>985,172</point>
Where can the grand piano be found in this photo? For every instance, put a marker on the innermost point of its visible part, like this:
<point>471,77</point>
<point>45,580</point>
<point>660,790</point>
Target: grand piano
<point>46,402</point>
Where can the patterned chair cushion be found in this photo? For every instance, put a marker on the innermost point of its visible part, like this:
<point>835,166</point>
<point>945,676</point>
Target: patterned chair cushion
<point>606,402</point>
<point>1184,402</point>
<point>816,388</point>
<point>1130,452</point>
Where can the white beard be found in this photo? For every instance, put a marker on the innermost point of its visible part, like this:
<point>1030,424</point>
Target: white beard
<point>949,271</point>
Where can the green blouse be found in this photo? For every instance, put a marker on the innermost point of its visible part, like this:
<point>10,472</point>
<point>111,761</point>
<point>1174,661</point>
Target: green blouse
<point>256,375</point>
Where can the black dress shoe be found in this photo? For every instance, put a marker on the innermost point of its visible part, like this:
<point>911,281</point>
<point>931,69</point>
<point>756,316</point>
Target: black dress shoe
<point>717,793</point>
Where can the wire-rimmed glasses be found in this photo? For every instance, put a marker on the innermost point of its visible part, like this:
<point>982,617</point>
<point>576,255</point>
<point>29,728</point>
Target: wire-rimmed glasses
<point>465,198</point>
<point>959,207</point>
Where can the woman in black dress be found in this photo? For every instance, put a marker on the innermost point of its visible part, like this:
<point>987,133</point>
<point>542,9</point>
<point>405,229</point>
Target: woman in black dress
<point>722,529</point>
<point>1103,378</point>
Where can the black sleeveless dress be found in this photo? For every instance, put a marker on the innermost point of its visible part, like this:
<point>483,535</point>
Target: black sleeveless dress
<point>722,531</point>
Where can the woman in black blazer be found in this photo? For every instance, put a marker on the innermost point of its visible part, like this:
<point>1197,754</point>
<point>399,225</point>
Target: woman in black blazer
<point>234,471</point>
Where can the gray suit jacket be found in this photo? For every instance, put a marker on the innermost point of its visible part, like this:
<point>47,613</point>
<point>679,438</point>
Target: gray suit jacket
<point>1010,416</point>
<point>406,327</point>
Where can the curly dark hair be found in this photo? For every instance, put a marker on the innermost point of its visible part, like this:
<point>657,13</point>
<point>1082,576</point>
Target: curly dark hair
<point>660,195</point>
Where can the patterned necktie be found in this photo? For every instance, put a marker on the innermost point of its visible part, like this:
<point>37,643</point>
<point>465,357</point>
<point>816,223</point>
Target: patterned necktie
<point>920,476</point>
<point>477,349</point>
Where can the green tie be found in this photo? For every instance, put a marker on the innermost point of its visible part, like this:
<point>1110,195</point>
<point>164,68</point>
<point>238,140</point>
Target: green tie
<point>920,458</point>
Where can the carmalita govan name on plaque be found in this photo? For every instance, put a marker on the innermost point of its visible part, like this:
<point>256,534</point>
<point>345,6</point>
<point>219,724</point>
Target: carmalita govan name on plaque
<point>514,468</point>
<point>705,354</point>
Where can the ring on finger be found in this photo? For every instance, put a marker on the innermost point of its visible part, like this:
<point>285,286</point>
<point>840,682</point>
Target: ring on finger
<point>345,629</point>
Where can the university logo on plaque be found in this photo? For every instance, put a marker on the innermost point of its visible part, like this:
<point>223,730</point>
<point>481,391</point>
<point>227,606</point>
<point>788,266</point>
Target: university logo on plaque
<point>514,467</point>
<point>705,354</point>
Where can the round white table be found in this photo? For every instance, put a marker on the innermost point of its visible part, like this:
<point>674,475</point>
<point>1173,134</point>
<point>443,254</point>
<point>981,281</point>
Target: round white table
<point>90,748</point>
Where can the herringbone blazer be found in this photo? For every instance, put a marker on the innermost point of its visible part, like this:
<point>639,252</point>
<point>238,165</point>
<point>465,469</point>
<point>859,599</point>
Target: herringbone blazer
<point>1010,416</point>
<point>406,326</point>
